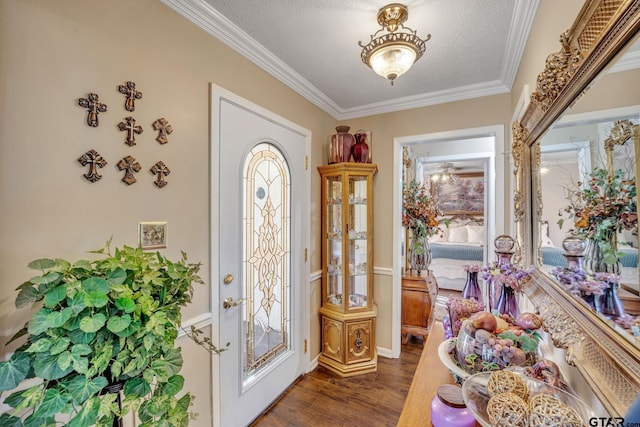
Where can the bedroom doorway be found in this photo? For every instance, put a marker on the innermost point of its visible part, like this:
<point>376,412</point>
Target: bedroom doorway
<point>483,147</point>
<point>460,186</point>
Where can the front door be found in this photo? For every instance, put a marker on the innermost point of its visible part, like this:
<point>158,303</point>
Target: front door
<point>262,223</point>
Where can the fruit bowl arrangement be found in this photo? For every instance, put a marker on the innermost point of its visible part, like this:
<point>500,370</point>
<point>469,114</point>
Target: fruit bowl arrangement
<point>487,342</point>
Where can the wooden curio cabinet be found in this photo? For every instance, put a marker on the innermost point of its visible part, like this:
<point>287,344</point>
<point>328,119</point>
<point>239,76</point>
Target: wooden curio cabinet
<point>348,310</point>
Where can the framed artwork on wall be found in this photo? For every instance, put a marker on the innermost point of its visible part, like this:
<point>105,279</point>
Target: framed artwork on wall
<point>152,235</point>
<point>462,197</point>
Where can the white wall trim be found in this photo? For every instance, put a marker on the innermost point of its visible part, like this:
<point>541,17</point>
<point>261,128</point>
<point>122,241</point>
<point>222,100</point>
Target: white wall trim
<point>387,352</point>
<point>383,271</point>
<point>316,275</point>
<point>200,321</point>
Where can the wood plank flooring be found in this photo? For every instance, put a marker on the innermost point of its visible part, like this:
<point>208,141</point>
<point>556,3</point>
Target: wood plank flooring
<point>321,398</point>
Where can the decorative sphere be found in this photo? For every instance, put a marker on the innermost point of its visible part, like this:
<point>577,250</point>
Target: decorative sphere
<point>573,245</point>
<point>504,243</point>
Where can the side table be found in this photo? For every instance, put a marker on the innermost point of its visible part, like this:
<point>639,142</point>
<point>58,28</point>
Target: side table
<point>419,294</point>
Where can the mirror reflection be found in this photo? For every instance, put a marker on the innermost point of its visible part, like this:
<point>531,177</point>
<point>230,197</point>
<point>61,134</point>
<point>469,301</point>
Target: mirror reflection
<point>586,175</point>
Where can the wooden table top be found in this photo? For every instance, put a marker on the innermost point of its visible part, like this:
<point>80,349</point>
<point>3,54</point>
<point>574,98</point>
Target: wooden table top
<point>429,374</point>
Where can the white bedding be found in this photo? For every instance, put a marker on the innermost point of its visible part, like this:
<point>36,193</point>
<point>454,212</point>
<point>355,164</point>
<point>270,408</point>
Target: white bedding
<point>449,272</point>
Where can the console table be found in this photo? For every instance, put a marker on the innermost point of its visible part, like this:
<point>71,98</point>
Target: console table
<point>429,374</point>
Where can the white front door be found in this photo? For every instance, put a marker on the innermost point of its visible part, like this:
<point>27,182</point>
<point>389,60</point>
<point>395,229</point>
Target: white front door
<point>260,274</point>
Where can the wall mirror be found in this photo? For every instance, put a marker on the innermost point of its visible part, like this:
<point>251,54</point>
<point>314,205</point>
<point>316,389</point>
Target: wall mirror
<point>559,141</point>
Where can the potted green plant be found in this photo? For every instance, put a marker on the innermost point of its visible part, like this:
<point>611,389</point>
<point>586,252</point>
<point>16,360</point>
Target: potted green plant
<point>102,341</point>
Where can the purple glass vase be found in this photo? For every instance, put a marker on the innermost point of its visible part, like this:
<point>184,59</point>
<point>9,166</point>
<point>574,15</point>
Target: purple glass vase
<point>360,151</point>
<point>610,303</point>
<point>508,303</point>
<point>471,288</point>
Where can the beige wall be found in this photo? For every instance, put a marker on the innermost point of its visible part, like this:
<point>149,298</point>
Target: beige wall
<point>53,52</point>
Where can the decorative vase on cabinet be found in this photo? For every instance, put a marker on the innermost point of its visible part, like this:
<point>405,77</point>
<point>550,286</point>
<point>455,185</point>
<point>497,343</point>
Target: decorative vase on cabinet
<point>348,310</point>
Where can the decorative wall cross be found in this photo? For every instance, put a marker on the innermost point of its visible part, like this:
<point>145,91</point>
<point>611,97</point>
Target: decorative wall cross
<point>164,128</point>
<point>161,171</point>
<point>131,128</point>
<point>129,89</point>
<point>129,165</point>
<point>95,161</point>
<point>94,107</point>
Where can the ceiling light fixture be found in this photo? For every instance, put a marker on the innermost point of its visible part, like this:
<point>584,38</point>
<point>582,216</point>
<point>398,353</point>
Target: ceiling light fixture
<point>393,52</point>
<point>445,176</point>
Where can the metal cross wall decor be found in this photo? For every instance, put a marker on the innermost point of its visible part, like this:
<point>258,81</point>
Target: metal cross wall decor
<point>129,124</point>
<point>95,161</point>
<point>161,171</point>
<point>94,107</point>
<point>129,165</point>
<point>164,128</point>
<point>129,89</point>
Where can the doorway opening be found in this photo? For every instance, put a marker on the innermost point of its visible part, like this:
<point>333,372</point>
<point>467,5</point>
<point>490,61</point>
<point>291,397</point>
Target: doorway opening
<point>482,147</point>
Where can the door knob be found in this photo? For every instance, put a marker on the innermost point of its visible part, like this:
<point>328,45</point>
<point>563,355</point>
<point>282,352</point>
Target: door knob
<point>228,279</point>
<point>230,302</point>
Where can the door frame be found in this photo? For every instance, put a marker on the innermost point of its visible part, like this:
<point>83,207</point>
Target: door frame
<point>497,163</point>
<point>216,94</point>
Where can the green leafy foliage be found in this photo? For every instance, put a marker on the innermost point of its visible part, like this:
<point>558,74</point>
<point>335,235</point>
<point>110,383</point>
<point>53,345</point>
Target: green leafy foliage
<point>98,324</point>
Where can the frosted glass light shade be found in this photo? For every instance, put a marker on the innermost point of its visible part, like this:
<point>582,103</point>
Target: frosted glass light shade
<point>392,61</point>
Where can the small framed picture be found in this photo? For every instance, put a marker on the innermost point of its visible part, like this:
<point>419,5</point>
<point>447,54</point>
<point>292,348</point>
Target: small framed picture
<point>152,235</point>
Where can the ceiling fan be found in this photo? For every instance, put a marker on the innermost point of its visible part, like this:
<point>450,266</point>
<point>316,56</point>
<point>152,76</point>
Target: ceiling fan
<point>443,174</point>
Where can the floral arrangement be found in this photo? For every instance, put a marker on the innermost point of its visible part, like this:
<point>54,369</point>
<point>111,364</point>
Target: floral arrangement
<point>420,210</point>
<point>510,275</point>
<point>460,309</point>
<point>472,268</point>
<point>604,206</point>
<point>580,282</point>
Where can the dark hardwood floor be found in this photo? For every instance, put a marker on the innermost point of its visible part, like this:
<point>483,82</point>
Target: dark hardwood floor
<point>321,398</point>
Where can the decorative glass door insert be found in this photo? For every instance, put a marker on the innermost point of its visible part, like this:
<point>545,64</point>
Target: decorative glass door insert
<point>266,258</point>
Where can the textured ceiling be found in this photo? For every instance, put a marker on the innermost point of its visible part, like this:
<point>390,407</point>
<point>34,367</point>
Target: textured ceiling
<point>312,46</point>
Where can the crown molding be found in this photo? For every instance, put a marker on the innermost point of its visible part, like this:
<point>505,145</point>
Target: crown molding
<point>629,61</point>
<point>426,99</point>
<point>210,20</point>
<point>523,16</point>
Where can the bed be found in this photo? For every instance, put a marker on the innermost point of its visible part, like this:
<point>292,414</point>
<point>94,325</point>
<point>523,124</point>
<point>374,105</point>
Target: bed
<point>462,243</point>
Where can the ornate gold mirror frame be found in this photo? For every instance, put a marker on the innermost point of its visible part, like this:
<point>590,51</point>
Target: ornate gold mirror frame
<point>609,362</point>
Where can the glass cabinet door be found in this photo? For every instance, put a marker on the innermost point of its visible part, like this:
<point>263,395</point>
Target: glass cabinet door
<point>357,224</point>
<point>334,236</point>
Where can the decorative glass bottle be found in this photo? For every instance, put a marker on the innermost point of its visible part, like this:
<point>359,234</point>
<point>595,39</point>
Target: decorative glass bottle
<point>574,251</point>
<point>504,251</point>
